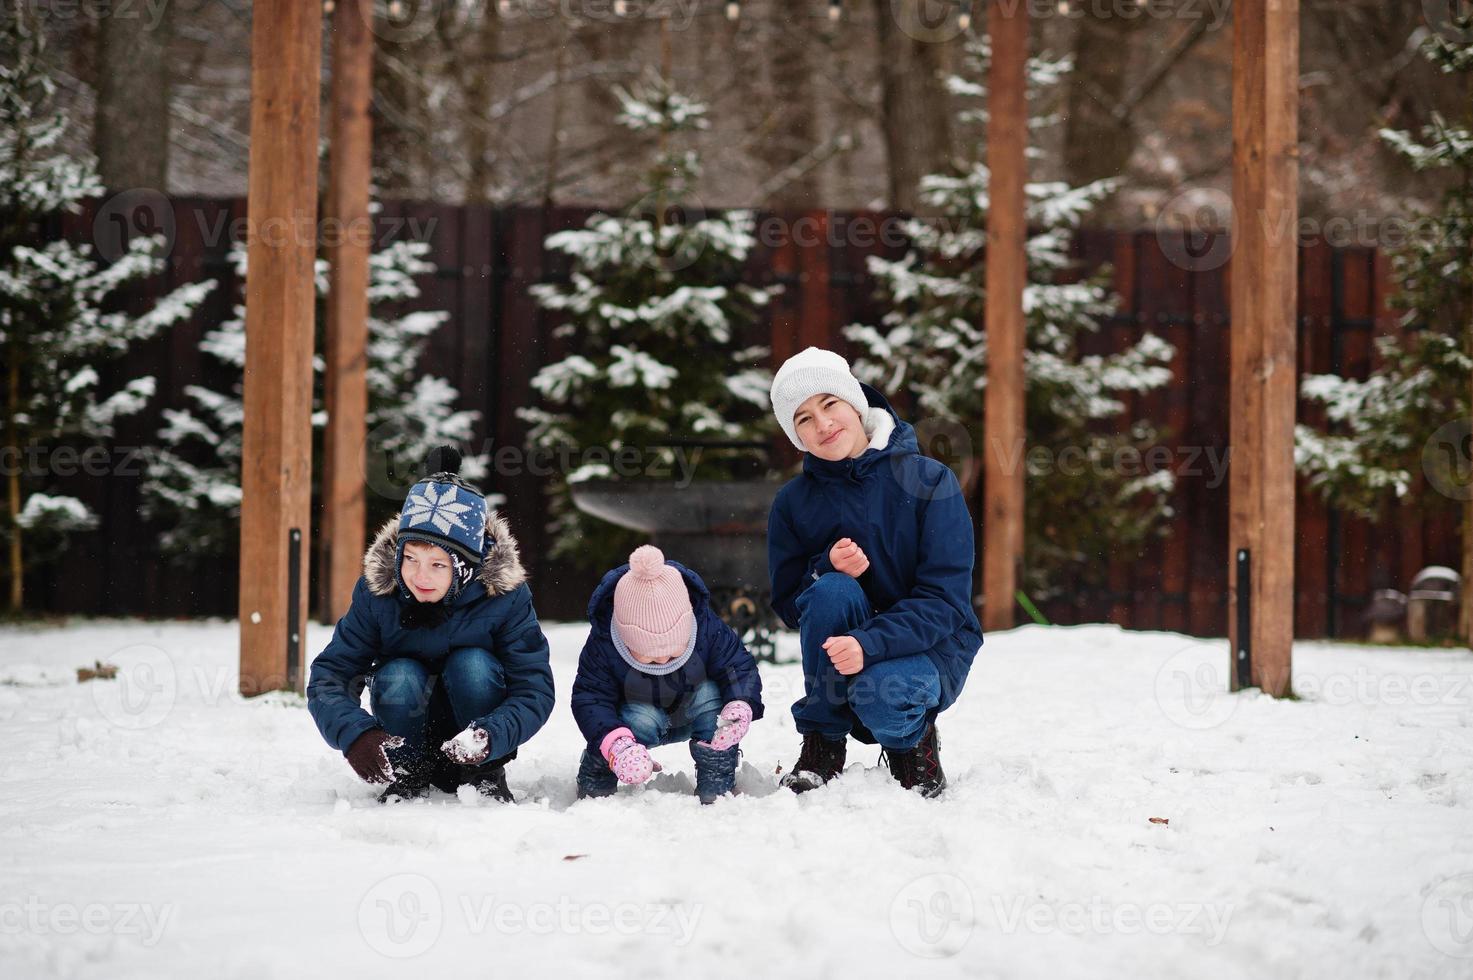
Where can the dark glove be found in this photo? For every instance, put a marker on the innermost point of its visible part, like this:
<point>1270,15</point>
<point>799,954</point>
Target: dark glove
<point>367,756</point>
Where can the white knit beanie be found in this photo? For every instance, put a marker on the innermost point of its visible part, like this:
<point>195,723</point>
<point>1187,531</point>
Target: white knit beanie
<point>812,372</point>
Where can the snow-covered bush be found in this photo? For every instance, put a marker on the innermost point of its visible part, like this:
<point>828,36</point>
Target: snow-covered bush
<point>57,326</point>
<point>654,310</point>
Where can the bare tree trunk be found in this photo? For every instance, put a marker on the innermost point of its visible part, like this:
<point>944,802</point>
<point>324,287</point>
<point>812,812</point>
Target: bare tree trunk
<point>131,133</point>
<point>12,447</point>
<point>793,126</point>
<point>555,133</point>
<point>915,108</point>
<point>480,90</point>
<point>599,107</point>
<point>1096,142</point>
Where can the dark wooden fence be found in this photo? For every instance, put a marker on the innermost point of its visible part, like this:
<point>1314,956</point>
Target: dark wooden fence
<point>497,338</point>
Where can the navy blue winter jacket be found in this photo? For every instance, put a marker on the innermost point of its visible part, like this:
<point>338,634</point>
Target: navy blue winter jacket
<point>493,612</point>
<point>605,680</point>
<point>906,511</point>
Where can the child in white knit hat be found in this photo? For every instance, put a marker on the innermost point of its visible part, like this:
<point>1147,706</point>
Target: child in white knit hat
<point>660,667</point>
<point>871,551</point>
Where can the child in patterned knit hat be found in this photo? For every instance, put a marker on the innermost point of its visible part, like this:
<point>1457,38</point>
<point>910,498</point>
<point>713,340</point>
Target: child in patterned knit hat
<point>441,626</point>
<point>660,667</point>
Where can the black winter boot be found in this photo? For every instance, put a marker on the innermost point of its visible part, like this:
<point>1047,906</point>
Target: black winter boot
<point>820,760</point>
<point>595,778</point>
<point>715,771</point>
<point>411,781</point>
<point>489,779</point>
<point>919,768</point>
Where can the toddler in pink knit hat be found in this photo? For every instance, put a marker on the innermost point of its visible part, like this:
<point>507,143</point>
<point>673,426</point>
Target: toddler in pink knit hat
<point>660,667</point>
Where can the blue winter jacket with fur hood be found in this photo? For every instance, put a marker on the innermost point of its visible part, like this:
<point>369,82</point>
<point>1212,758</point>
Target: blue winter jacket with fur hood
<point>493,612</point>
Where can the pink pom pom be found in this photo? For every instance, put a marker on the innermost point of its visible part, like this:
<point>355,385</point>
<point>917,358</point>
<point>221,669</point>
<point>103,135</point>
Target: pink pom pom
<point>647,562</point>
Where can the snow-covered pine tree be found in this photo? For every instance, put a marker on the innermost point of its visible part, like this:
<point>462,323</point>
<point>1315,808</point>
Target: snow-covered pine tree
<point>56,327</point>
<point>193,484</point>
<point>933,344</point>
<point>1411,415</point>
<point>655,307</point>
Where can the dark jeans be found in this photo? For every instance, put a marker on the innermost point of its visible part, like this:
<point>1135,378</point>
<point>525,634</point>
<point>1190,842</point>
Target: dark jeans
<point>889,701</point>
<point>427,708</point>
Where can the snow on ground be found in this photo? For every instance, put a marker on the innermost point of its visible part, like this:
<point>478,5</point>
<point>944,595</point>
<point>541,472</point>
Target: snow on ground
<point>159,825</point>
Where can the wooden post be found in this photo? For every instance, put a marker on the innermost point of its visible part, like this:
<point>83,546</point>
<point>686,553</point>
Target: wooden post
<point>276,463</point>
<point>1263,302</point>
<point>1003,437</point>
<point>341,540</point>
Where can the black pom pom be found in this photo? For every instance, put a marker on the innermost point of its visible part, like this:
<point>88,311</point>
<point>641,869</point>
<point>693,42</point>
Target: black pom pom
<point>442,459</point>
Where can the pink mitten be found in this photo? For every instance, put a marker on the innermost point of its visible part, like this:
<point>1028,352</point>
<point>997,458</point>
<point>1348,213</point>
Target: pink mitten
<point>731,725</point>
<point>629,760</point>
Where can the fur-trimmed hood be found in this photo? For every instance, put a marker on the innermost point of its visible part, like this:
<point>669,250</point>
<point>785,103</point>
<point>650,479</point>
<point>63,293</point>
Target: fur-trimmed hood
<point>500,572</point>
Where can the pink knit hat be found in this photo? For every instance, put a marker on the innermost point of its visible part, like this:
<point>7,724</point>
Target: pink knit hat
<point>652,611</point>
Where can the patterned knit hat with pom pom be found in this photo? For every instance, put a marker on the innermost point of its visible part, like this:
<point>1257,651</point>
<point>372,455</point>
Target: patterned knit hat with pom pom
<point>443,509</point>
<point>652,612</point>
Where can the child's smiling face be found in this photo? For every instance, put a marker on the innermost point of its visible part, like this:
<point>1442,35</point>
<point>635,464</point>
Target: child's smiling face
<point>830,427</point>
<point>426,570</point>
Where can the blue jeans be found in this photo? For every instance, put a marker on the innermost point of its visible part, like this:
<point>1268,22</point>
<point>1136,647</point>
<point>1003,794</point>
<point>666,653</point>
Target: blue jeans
<point>889,701</point>
<point>692,718</point>
<point>425,708</point>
